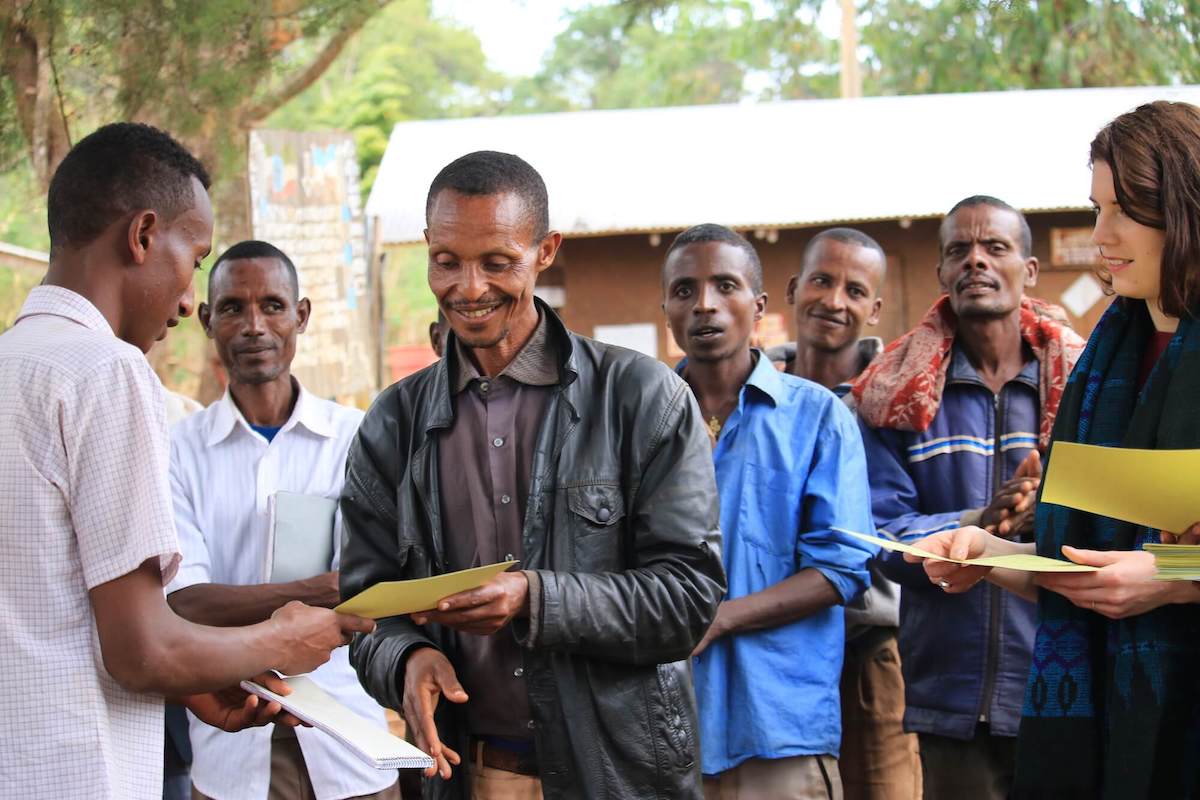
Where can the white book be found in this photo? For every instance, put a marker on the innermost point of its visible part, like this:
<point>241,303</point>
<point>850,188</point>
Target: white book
<point>302,529</point>
<point>371,743</point>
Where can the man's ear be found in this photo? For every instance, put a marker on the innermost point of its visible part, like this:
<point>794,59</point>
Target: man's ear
<point>760,307</point>
<point>793,284</point>
<point>937,270</point>
<point>876,307</point>
<point>1031,271</point>
<point>303,312</point>
<point>548,249</point>
<point>204,314</point>
<point>139,235</point>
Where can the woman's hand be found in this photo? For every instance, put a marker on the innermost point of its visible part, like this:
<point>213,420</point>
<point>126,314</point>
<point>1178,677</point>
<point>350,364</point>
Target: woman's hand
<point>960,543</point>
<point>1123,586</point>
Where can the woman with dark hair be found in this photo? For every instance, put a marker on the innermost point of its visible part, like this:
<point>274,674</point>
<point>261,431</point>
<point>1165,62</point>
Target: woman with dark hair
<point>1112,707</point>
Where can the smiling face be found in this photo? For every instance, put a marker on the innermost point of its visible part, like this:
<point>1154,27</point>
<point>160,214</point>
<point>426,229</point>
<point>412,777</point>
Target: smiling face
<point>836,294</point>
<point>1132,252</point>
<point>483,264</point>
<point>982,267</point>
<point>253,318</point>
<point>158,290</point>
<point>710,304</point>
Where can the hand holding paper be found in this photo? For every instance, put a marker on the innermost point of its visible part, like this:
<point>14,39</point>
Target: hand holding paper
<point>393,598</point>
<point>1023,562</point>
<point>485,609</point>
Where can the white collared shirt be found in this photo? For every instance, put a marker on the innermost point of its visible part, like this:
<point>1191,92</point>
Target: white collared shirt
<point>223,476</point>
<point>84,499</point>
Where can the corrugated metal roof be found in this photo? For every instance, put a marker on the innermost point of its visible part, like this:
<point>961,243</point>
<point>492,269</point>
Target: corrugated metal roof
<point>784,164</point>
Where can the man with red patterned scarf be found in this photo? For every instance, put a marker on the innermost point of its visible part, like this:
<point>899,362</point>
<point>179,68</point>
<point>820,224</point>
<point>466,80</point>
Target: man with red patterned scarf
<point>953,414</point>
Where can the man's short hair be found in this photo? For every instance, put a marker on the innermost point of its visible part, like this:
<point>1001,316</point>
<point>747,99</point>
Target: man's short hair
<point>851,236</point>
<point>115,171</point>
<point>711,232</point>
<point>253,248</point>
<point>988,200</point>
<point>487,172</point>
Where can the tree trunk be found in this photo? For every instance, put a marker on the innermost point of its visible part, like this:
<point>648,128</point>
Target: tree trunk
<point>25,55</point>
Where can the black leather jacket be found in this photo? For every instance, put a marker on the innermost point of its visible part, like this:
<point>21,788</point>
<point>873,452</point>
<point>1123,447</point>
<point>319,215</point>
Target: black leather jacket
<point>622,527</point>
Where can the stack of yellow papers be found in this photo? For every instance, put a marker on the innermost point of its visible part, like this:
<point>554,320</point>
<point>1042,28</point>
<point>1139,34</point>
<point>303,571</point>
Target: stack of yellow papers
<point>1023,562</point>
<point>1175,562</point>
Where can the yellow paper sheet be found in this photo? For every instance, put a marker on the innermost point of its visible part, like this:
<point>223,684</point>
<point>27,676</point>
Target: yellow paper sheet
<point>391,598</point>
<point>1157,488</point>
<point>1022,562</point>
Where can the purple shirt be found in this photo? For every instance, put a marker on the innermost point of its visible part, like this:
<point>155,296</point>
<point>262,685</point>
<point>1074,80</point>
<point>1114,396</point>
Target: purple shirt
<point>485,461</point>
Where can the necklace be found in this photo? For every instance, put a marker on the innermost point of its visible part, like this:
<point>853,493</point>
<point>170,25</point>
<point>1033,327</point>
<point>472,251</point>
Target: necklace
<point>714,426</point>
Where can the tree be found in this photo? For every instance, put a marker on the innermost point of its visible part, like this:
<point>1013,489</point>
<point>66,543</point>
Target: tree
<point>916,47</point>
<point>404,65</point>
<point>206,70</point>
<point>638,54</point>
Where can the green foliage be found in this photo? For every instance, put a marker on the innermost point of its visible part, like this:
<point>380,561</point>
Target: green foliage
<point>22,211</point>
<point>403,65</point>
<point>15,284</point>
<point>408,303</point>
<point>620,55</point>
<point>917,47</point>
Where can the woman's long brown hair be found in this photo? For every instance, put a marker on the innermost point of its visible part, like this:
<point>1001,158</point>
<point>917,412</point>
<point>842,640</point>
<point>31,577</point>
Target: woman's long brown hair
<point>1154,154</point>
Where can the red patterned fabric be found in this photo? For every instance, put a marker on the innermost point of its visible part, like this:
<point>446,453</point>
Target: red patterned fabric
<point>902,388</point>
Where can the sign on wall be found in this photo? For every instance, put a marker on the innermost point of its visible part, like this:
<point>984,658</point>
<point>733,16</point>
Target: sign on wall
<point>305,200</point>
<point>1073,247</point>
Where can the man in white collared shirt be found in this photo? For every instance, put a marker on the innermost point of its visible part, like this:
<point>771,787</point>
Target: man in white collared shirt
<point>88,646</point>
<point>266,435</point>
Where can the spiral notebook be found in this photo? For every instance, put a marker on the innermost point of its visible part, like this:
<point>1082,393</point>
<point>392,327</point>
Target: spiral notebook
<point>369,742</point>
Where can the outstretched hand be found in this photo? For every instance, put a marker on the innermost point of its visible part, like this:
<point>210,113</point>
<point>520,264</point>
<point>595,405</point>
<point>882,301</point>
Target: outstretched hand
<point>960,543</point>
<point>428,676</point>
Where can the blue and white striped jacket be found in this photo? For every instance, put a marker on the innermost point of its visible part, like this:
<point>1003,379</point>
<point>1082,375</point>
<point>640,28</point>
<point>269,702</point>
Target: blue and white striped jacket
<point>965,657</point>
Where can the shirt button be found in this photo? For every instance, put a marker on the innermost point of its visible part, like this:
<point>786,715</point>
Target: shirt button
<point>518,672</point>
<point>498,441</point>
<point>505,499</point>
<point>603,515</point>
<point>484,386</point>
<point>529,724</point>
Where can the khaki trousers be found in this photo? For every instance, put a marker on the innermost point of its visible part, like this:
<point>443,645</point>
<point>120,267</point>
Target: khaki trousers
<point>879,761</point>
<point>289,776</point>
<point>795,778</point>
<point>498,784</point>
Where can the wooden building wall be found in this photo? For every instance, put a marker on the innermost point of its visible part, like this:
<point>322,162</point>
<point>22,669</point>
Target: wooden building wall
<point>614,280</point>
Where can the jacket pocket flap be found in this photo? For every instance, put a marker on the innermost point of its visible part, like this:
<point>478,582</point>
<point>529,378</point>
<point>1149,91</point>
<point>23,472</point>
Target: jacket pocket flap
<point>599,504</point>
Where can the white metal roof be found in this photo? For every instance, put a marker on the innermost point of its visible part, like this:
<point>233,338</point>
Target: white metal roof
<point>23,257</point>
<point>803,162</point>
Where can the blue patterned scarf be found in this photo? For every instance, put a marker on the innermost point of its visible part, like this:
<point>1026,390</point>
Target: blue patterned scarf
<point>1112,708</point>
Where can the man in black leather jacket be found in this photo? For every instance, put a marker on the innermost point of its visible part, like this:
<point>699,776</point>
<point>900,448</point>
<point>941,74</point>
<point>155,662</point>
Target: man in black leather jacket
<point>586,462</point>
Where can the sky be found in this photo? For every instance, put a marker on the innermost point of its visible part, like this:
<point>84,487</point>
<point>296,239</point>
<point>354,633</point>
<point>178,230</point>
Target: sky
<point>515,34</point>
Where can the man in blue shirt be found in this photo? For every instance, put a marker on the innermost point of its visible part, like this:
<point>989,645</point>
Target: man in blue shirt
<point>790,467</point>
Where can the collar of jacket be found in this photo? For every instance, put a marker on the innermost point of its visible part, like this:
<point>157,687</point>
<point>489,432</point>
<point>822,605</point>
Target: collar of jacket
<point>442,414</point>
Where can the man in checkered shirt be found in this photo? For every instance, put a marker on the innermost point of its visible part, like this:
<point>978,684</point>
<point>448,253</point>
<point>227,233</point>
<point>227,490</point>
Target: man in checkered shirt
<point>89,646</point>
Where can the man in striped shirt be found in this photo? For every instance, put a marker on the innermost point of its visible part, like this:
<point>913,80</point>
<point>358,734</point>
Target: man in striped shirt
<point>951,415</point>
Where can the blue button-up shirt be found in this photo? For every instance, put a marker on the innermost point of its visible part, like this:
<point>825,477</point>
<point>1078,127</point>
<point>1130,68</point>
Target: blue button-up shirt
<point>790,466</point>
